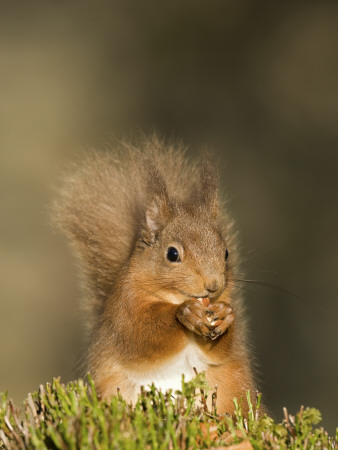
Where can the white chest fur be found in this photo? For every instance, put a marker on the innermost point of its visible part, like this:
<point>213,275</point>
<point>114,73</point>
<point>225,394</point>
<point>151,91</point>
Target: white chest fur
<point>169,375</point>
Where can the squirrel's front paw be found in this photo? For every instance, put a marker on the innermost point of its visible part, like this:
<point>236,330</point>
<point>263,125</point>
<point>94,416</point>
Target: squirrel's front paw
<point>210,321</point>
<point>221,316</point>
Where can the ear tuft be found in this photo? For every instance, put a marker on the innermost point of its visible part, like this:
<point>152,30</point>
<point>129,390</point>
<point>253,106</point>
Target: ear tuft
<point>156,217</point>
<point>158,209</point>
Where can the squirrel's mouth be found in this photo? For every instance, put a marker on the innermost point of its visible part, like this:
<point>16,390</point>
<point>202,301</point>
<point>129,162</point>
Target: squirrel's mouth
<point>204,298</point>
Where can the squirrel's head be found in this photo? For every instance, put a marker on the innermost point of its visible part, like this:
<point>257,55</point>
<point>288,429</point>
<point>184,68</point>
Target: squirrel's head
<point>182,252</point>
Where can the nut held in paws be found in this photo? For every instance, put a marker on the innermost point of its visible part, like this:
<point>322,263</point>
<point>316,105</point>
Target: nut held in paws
<point>204,300</point>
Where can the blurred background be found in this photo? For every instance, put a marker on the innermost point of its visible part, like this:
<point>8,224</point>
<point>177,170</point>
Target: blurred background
<point>255,81</point>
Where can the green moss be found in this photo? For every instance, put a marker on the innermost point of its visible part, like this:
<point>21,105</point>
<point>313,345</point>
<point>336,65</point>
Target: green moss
<point>72,417</point>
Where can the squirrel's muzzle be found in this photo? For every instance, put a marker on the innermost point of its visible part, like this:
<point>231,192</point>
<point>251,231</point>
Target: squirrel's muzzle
<point>212,284</point>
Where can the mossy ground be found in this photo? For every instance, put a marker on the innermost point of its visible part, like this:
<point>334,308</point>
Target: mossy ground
<point>72,417</point>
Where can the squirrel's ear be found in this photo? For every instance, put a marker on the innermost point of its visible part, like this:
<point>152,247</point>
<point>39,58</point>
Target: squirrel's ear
<point>209,187</point>
<point>158,210</point>
<point>156,217</point>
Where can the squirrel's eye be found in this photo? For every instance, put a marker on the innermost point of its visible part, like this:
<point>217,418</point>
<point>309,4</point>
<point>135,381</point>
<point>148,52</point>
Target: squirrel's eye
<point>226,255</point>
<point>173,254</point>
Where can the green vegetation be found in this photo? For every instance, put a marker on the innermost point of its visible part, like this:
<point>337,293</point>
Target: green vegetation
<point>72,417</point>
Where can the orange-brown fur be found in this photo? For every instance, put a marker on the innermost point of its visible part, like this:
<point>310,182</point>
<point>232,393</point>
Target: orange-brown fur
<point>122,210</point>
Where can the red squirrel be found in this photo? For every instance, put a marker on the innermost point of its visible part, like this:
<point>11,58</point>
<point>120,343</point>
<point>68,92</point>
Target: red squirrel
<point>159,263</point>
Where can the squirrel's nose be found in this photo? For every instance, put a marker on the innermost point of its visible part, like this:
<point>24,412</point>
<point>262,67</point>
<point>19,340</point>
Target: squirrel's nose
<point>211,284</point>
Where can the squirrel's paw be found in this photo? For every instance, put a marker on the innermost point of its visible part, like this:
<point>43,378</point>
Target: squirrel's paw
<point>220,316</point>
<point>209,321</point>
